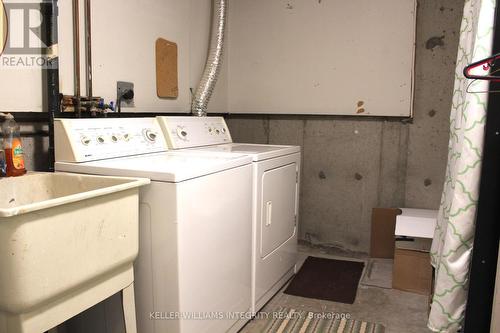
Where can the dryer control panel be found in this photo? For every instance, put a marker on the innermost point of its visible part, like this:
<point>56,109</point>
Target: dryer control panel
<point>83,140</point>
<point>190,132</point>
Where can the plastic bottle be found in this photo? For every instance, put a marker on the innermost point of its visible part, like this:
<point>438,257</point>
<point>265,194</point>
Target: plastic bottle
<point>14,154</point>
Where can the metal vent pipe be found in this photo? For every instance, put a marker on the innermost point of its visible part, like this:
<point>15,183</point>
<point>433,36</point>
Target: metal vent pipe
<point>214,61</point>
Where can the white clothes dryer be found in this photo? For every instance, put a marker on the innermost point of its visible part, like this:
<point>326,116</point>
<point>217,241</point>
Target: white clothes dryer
<point>275,196</point>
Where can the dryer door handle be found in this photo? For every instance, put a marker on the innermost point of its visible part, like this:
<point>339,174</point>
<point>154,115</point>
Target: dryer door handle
<point>269,213</point>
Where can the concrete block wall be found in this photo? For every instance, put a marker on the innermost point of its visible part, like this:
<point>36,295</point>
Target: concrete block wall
<point>351,165</point>
<point>35,146</point>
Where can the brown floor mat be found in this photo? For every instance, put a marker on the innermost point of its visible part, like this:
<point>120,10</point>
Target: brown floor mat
<point>327,279</point>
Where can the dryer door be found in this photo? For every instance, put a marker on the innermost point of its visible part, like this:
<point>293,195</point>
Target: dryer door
<point>278,207</point>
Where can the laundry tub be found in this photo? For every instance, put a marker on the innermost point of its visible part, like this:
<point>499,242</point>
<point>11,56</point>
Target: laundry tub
<point>67,242</point>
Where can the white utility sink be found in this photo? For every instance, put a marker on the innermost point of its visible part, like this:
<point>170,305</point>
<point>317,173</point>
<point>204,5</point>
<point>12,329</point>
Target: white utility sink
<point>67,242</point>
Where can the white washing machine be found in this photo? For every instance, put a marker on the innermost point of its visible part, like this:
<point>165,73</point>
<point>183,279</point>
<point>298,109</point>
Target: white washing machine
<point>275,193</point>
<point>193,270</point>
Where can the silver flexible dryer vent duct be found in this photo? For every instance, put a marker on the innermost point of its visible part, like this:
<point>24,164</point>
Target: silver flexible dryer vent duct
<point>214,60</point>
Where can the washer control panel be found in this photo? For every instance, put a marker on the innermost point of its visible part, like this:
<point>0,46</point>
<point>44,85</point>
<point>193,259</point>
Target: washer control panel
<point>82,140</point>
<point>189,132</point>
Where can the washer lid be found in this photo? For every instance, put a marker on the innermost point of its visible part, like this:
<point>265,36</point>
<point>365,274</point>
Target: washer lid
<point>167,167</point>
<point>258,152</point>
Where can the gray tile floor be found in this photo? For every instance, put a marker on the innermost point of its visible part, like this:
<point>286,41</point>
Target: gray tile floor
<point>398,311</point>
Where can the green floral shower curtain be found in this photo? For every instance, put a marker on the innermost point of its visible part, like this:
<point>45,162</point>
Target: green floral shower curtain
<point>454,235</point>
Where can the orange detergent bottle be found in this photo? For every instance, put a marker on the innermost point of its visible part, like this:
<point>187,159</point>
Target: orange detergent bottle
<point>14,154</point>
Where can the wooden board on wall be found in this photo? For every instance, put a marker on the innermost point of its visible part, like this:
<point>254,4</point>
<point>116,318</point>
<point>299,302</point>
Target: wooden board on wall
<point>167,85</point>
<point>328,57</point>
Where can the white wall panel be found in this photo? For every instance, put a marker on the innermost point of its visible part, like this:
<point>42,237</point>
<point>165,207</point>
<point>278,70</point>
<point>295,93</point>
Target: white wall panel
<point>296,56</point>
<point>123,47</point>
<point>124,35</point>
<point>321,56</point>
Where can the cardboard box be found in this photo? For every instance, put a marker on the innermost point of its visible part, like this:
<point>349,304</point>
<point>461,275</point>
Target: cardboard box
<point>382,233</point>
<point>405,234</point>
<point>412,268</point>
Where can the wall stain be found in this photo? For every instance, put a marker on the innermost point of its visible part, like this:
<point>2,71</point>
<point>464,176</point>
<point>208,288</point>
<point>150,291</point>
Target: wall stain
<point>353,241</point>
<point>434,42</point>
<point>427,182</point>
<point>289,6</point>
<point>432,113</point>
<point>360,108</point>
<point>321,175</point>
<point>358,176</point>
<point>443,8</point>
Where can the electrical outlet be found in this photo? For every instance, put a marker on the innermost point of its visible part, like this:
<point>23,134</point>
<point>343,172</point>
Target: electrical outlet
<point>121,87</point>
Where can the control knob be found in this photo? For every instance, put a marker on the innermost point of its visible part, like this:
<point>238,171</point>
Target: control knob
<point>85,140</point>
<point>150,135</point>
<point>182,133</point>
